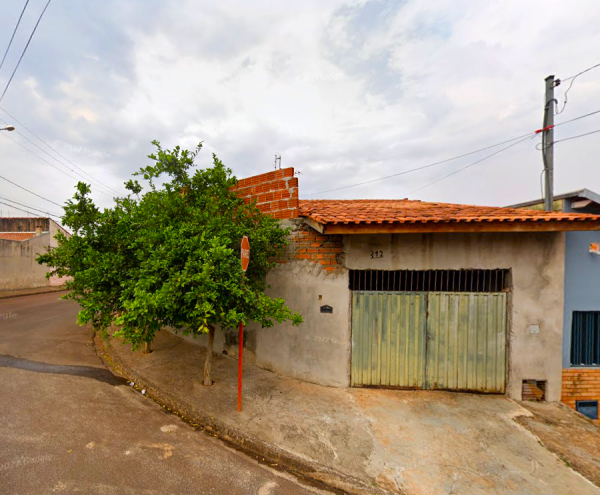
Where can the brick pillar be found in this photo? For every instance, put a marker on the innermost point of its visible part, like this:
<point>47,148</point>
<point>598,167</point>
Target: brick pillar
<point>276,192</point>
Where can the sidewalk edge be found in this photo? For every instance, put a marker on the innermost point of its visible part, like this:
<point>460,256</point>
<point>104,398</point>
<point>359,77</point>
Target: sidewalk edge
<point>9,294</point>
<point>316,475</point>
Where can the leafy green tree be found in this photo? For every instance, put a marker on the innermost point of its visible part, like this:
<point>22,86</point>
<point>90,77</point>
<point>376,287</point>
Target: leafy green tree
<point>169,254</point>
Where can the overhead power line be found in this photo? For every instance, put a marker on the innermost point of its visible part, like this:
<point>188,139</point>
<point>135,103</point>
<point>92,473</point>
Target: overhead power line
<point>30,207</point>
<point>38,156</point>
<point>470,165</point>
<point>563,79</point>
<point>530,134</point>
<point>13,35</point>
<point>22,209</point>
<point>572,79</point>
<point>91,177</point>
<point>577,118</point>
<point>578,136</point>
<point>30,192</point>
<point>24,50</point>
<point>46,161</point>
<point>523,136</point>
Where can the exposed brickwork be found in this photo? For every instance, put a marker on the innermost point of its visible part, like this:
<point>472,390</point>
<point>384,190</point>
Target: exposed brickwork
<point>533,390</point>
<point>307,244</point>
<point>580,384</point>
<point>276,192</point>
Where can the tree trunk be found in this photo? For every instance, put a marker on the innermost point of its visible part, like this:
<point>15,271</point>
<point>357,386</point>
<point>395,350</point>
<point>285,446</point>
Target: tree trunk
<point>207,363</point>
<point>147,349</point>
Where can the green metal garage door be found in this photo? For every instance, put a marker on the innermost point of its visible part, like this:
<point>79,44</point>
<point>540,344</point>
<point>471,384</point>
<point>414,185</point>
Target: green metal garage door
<point>432,340</point>
<point>388,339</point>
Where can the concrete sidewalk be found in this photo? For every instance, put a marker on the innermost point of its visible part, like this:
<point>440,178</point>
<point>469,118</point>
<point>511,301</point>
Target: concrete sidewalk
<point>356,440</point>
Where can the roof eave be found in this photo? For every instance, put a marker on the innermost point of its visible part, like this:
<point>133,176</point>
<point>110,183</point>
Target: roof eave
<point>454,227</point>
<point>581,193</point>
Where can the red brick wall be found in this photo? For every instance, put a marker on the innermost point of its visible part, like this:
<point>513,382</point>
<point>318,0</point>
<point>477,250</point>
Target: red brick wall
<point>307,244</point>
<point>580,384</point>
<point>276,192</point>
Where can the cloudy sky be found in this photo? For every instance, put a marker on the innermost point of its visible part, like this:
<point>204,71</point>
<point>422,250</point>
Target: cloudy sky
<point>344,91</point>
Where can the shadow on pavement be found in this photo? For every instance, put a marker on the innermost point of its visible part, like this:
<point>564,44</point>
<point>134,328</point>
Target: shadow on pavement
<point>102,375</point>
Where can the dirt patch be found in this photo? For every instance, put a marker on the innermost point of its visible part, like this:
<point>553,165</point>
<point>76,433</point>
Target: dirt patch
<point>574,439</point>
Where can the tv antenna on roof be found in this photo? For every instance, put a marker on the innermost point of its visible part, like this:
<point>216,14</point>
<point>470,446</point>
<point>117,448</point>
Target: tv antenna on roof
<point>277,162</point>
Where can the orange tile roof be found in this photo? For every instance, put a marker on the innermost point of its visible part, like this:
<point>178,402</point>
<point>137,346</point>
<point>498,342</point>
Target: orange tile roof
<point>394,211</point>
<point>16,236</point>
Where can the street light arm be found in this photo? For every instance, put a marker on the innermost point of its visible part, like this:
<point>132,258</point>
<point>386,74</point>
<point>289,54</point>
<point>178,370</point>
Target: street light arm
<point>8,128</point>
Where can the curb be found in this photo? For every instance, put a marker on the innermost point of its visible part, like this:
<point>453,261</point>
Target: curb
<point>30,292</point>
<point>265,453</point>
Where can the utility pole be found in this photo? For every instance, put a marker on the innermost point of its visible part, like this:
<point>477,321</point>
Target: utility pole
<point>548,144</point>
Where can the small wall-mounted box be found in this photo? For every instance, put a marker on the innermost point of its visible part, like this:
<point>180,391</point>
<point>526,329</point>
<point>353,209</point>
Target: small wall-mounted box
<point>534,329</point>
<point>595,248</point>
<point>326,309</point>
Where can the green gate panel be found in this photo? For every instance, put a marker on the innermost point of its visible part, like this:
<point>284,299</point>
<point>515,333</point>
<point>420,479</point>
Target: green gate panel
<point>466,341</point>
<point>388,339</point>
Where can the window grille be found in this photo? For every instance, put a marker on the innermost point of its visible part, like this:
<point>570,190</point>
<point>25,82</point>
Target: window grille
<point>430,280</point>
<point>585,338</point>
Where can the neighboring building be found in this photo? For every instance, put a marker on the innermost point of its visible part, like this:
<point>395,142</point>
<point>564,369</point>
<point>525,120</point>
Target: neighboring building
<point>408,294</point>
<point>581,336</point>
<point>22,240</point>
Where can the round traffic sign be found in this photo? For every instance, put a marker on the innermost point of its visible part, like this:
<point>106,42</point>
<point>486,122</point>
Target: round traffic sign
<point>245,254</point>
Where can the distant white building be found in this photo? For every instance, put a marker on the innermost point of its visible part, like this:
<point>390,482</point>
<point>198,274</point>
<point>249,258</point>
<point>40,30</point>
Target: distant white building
<point>22,240</point>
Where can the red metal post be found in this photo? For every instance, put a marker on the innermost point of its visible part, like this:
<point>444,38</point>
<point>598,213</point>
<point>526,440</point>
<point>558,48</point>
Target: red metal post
<point>241,337</point>
<point>245,259</point>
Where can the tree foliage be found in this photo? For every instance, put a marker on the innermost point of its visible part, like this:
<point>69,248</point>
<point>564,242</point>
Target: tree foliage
<point>169,253</point>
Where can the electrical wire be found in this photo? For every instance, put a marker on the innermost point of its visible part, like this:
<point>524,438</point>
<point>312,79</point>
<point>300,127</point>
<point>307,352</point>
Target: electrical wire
<point>577,118</point>
<point>566,97</point>
<point>24,50</point>
<point>499,151</point>
<point>530,134</point>
<point>470,165</point>
<point>13,35</point>
<point>453,158</point>
<point>30,192</point>
<point>55,151</point>
<point>578,136</point>
<point>21,209</point>
<point>37,156</point>
<point>52,165</point>
<point>29,206</point>
<point>572,78</point>
<point>579,73</point>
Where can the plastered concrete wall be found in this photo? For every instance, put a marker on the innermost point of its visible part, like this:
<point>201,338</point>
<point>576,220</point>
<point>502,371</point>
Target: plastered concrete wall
<point>309,274</point>
<point>537,266</point>
<point>318,350</point>
<point>55,229</point>
<point>18,268</point>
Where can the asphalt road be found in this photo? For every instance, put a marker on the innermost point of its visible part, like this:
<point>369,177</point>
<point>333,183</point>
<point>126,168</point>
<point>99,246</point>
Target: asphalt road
<point>67,425</point>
